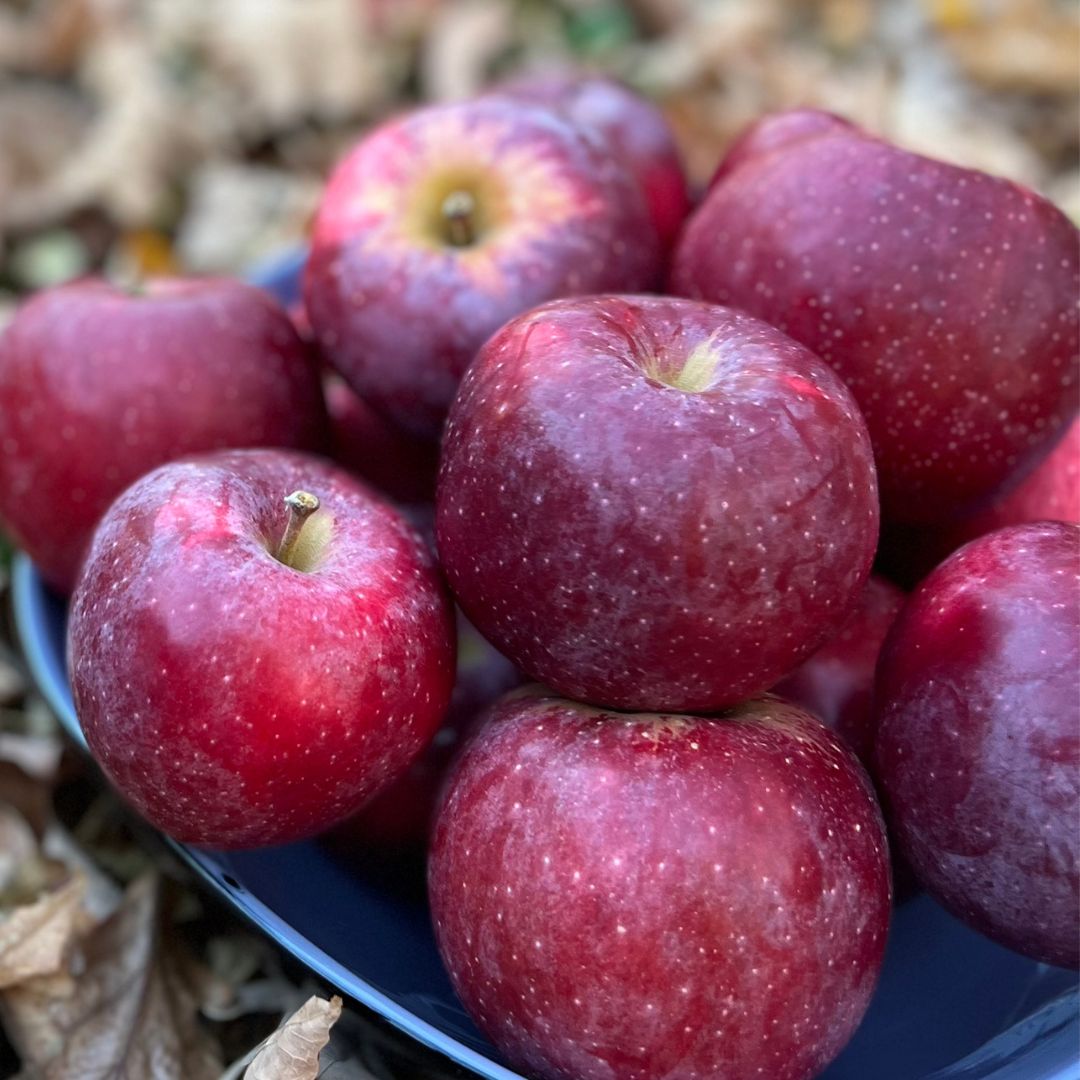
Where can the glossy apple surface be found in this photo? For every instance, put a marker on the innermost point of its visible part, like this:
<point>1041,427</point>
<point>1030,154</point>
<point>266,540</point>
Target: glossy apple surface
<point>631,125</point>
<point>652,503</point>
<point>836,684</point>
<point>642,896</point>
<point>442,224</point>
<point>98,386</point>
<point>945,298</point>
<point>236,700</point>
<point>978,745</point>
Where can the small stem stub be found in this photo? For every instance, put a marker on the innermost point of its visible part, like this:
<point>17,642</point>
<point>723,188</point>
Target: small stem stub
<point>459,214</point>
<point>301,504</point>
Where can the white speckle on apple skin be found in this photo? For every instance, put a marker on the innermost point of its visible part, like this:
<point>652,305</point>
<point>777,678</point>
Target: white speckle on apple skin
<point>756,946</point>
<point>283,699</point>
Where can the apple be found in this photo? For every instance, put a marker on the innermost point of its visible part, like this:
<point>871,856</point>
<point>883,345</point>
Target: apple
<point>442,224</point>
<point>1050,493</point>
<point>631,125</point>
<point>978,747</point>
<point>369,446</point>
<point>779,131</point>
<point>637,896</point>
<point>400,817</point>
<point>246,678</point>
<point>945,298</point>
<point>652,503</point>
<point>836,684</point>
<point>99,385</point>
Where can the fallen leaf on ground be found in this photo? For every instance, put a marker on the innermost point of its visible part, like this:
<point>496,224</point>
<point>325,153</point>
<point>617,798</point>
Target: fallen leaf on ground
<point>129,1013</point>
<point>35,937</point>
<point>18,849</point>
<point>292,1052</point>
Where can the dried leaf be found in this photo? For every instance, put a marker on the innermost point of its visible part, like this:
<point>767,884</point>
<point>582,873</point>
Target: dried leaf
<point>37,756</point>
<point>281,61</point>
<point>129,1014</point>
<point>29,765</point>
<point>292,1052</point>
<point>464,41</point>
<point>34,938</point>
<point>18,848</point>
<point>102,894</point>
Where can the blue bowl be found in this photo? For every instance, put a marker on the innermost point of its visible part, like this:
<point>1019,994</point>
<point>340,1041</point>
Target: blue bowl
<point>951,1005</point>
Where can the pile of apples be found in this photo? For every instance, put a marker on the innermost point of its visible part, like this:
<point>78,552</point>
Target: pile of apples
<point>666,439</point>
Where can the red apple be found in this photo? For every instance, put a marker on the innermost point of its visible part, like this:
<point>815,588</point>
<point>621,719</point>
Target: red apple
<point>978,744</point>
<point>945,298</point>
<point>371,447</point>
<point>778,132</point>
<point>651,503</point>
<point>442,224</point>
<point>637,896</point>
<point>401,816</point>
<point>98,386</point>
<point>634,129</point>
<point>837,683</point>
<point>243,683</point>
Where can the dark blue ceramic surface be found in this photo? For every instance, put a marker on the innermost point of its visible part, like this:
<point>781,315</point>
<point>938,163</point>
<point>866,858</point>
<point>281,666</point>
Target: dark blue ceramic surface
<point>951,1005</point>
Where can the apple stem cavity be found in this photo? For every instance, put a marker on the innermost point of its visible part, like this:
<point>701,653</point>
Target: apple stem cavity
<point>301,504</point>
<point>459,218</point>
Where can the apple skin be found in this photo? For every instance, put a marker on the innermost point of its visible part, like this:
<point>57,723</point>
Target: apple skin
<point>1050,493</point>
<point>236,701</point>
<point>371,447</point>
<point>631,125</point>
<point>944,297</point>
<point>399,310</point>
<point>98,386</point>
<point>978,752</point>
<point>651,895</point>
<point>401,816</point>
<point>836,684</point>
<point>637,546</point>
<point>780,131</point>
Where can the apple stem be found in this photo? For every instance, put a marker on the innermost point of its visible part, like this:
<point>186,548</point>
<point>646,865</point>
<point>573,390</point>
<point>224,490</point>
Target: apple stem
<point>301,504</point>
<point>459,213</point>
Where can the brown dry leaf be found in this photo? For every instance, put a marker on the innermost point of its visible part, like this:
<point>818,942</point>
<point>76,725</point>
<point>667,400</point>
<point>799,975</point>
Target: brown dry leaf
<point>34,938</point>
<point>1031,46</point>
<point>281,61</point>
<point>39,127</point>
<point>29,765</point>
<point>18,848</point>
<point>464,40</point>
<point>129,1013</point>
<point>292,1052</point>
<point>103,895</point>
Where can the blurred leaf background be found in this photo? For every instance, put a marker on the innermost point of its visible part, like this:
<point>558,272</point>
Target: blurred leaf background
<point>143,135</point>
<point>149,136</point>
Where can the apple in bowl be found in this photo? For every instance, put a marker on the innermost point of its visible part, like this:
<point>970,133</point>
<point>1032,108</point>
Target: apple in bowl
<point>642,895</point>
<point>443,223</point>
<point>248,670</point>
<point>654,503</point>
